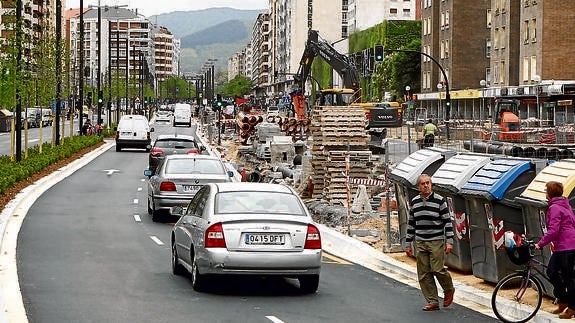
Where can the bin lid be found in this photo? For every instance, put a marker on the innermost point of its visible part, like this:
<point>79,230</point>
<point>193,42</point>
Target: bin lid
<point>493,179</point>
<point>5,113</point>
<point>415,164</point>
<point>457,170</point>
<point>562,171</point>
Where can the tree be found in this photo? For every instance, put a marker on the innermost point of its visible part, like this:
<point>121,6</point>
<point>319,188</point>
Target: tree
<point>238,86</point>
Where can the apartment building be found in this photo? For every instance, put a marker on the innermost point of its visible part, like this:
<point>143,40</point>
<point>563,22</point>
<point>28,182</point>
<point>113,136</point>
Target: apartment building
<point>130,46</point>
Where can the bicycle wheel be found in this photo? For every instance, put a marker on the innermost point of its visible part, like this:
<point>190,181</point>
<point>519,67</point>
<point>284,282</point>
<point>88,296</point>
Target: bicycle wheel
<point>516,299</point>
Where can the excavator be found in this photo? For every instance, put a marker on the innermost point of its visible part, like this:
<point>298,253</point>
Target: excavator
<point>379,115</point>
<point>339,62</point>
<point>506,126</point>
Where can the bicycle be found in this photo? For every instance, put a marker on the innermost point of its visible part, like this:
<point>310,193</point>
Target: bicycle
<point>517,297</point>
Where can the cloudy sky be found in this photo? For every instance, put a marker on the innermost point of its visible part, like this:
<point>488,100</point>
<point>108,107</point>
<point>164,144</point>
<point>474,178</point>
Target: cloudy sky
<point>154,7</point>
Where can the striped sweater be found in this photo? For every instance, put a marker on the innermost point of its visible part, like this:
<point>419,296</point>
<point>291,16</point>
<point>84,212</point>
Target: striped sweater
<point>429,219</point>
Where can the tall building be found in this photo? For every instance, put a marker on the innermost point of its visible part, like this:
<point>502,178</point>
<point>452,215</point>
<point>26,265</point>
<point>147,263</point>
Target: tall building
<point>130,46</point>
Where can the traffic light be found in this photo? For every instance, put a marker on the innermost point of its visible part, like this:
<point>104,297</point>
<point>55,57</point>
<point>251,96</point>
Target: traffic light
<point>89,98</point>
<point>378,53</point>
<point>100,98</point>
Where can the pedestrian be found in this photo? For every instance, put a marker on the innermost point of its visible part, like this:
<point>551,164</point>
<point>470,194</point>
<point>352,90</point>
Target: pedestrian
<point>429,132</point>
<point>87,128</point>
<point>430,230</point>
<point>560,222</point>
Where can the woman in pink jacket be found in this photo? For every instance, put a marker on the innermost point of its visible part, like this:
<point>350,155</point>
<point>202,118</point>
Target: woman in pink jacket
<point>560,222</point>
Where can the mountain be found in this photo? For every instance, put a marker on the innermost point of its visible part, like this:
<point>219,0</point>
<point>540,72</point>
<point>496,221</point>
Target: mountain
<point>210,33</point>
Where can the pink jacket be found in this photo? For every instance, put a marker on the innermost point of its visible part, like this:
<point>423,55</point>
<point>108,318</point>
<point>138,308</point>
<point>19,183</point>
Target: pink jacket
<point>560,223</point>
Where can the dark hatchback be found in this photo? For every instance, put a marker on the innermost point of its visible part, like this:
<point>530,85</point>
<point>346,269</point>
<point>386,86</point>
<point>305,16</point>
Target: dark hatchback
<point>170,145</point>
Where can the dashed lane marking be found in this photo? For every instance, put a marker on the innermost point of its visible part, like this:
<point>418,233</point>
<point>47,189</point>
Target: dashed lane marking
<point>274,319</point>
<point>157,240</point>
<point>137,218</point>
<point>136,201</point>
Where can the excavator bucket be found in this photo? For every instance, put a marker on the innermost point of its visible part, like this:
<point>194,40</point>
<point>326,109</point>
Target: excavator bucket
<point>299,105</point>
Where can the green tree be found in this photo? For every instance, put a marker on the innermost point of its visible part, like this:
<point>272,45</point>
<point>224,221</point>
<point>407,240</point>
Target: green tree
<point>238,86</point>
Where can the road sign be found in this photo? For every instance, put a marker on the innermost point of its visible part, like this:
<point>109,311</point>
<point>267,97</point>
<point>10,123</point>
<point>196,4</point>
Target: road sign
<point>137,99</point>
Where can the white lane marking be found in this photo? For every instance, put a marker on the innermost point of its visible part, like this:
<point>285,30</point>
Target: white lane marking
<point>139,189</point>
<point>137,218</point>
<point>157,240</point>
<point>143,179</point>
<point>274,319</point>
<point>110,171</point>
<point>136,201</point>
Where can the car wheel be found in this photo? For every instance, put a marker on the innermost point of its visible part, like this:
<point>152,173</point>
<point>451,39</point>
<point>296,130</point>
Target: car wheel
<point>150,210</point>
<point>177,268</point>
<point>155,215</point>
<point>197,278</point>
<point>308,284</point>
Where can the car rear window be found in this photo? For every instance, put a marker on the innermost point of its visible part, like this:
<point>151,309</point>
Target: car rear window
<point>175,144</point>
<point>258,202</point>
<point>194,166</point>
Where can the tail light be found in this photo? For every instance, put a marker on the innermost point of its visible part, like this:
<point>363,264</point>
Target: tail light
<point>368,114</point>
<point>167,186</point>
<point>193,151</point>
<point>156,152</point>
<point>215,236</point>
<point>313,238</point>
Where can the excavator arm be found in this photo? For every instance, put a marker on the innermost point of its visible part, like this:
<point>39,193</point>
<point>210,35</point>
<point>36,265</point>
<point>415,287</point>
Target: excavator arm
<point>339,62</point>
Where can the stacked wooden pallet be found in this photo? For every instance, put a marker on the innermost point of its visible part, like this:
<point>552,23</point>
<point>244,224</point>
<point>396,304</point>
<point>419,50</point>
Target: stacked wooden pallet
<point>337,132</point>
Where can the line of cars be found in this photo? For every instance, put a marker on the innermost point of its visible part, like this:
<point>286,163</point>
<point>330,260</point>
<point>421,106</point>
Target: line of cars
<point>226,227</point>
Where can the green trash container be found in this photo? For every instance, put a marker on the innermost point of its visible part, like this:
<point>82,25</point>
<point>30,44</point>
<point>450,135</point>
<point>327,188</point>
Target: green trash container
<point>448,181</point>
<point>404,179</point>
<point>492,209</point>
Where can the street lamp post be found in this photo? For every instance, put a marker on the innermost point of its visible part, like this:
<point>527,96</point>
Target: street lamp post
<point>537,80</point>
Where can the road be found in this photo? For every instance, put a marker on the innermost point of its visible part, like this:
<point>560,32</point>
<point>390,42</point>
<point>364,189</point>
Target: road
<point>88,252</point>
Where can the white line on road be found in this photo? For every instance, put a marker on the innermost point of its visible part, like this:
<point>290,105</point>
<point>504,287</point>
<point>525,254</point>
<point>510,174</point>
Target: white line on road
<point>136,201</point>
<point>137,218</point>
<point>139,189</point>
<point>274,319</point>
<point>157,240</point>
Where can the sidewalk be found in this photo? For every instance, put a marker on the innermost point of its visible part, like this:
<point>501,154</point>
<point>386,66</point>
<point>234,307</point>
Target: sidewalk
<point>362,254</point>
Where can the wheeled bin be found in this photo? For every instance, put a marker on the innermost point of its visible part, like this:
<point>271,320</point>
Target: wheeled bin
<point>492,209</point>
<point>404,179</point>
<point>448,181</point>
<point>533,202</point>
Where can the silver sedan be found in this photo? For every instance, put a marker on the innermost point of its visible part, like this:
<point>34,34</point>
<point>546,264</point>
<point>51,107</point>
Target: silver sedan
<point>177,178</point>
<point>247,229</point>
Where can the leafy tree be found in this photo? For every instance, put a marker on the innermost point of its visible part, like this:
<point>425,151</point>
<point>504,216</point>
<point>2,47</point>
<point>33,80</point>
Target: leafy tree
<point>238,86</point>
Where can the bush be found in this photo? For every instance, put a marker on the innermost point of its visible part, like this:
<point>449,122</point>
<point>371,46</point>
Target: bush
<point>14,172</point>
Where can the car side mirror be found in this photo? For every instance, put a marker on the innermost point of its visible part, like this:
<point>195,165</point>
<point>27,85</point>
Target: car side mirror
<point>148,172</point>
<point>231,173</point>
<point>202,148</point>
<point>152,129</point>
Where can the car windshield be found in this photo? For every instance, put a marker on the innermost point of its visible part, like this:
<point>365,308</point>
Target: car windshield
<point>175,144</point>
<point>194,166</point>
<point>258,202</point>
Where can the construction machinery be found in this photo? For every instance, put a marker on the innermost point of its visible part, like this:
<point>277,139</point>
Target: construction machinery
<point>506,125</point>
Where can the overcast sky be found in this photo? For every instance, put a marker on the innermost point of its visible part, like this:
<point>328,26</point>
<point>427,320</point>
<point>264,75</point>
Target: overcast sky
<point>154,7</point>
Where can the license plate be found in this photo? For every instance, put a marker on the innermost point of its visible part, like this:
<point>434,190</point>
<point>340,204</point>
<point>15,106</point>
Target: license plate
<point>265,239</point>
<point>190,188</point>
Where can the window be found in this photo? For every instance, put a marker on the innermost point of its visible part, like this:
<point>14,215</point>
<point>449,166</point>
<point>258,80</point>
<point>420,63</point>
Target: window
<point>406,12</point>
<point>446,48</point>
<point>496,40</point>
<point>526,69</point>
<point>533,30</point>
<point>533,66</point>
<point>502,72</point>
<point>489,18</point>
<point>446,19</point>
<point>503,38</point>
<point>526,32</point>
<point>488,48</point>
<point>393,11</point>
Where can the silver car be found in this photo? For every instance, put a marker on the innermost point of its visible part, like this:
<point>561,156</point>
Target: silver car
<point>247,229</point>
<point>177,178</point>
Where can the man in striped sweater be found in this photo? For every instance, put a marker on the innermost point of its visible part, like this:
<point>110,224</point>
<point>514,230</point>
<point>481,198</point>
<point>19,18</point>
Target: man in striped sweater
<point>430,228</point>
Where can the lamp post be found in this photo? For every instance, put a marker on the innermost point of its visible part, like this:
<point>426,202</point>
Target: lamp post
<point>439,88</point>
<point>483,84</point>
<point>537,80</point>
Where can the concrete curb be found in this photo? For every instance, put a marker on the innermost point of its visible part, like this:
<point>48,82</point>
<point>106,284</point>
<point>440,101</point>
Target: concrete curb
<point>355,251</point>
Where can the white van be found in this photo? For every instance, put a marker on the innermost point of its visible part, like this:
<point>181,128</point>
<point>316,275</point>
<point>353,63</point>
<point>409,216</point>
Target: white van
<point>182,114</point>
<point>133,131</point>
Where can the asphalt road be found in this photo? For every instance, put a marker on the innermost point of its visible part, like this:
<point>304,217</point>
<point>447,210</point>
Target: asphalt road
<point>88,252</point>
